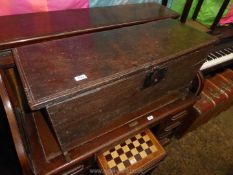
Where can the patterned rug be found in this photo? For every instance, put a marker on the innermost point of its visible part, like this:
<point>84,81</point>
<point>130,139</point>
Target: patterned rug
<point>206,151</point>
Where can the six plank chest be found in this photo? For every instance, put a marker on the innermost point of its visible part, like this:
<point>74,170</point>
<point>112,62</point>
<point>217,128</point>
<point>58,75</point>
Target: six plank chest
<point>86,84</point>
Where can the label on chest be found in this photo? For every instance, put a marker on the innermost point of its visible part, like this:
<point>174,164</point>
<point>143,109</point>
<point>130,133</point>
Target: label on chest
<point>80,77</point>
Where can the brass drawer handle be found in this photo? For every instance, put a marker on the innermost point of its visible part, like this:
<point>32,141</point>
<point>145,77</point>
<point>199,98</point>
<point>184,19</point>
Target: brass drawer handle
<point>164,134</point>
<point>172,126</point>
<point>165,141</point>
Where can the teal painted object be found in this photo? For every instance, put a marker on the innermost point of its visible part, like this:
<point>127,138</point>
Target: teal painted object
<point>101,3</point>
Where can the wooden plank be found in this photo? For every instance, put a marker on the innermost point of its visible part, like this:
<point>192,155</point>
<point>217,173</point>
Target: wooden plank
<point>23,29</point>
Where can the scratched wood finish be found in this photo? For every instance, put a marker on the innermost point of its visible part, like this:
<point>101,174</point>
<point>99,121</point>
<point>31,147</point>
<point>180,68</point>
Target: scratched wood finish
<point>22,29</point>
<point>116,63</point>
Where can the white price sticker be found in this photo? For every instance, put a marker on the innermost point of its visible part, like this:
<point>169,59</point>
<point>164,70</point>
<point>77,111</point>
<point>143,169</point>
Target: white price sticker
<point>80,77</point>
<point>151,117</point>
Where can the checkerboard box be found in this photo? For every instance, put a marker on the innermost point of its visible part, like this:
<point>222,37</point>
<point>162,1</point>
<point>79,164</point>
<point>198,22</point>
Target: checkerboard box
<point>133,156</point>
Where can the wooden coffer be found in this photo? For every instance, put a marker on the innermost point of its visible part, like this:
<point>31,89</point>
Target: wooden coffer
<point>86,84</point>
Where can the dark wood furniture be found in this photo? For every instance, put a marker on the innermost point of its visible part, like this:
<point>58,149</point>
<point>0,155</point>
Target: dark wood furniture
<point>141,75</point>
<point>126,71</point>
<point>23,29</point>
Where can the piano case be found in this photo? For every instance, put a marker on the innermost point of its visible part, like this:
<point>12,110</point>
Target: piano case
<point>86,84</point>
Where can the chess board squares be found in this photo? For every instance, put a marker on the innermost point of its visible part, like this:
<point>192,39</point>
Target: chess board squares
<point>129,152</point>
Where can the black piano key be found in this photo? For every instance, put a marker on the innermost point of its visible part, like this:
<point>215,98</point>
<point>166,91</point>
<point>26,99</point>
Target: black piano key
<point>213,56</point>
<point>222,53</point>
<point>227,51</point>
<point>209,58</point>
<point>230,49</point>
<point>217,54</point>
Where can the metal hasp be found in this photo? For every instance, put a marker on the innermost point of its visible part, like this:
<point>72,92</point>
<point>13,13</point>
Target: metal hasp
<point>154,76</point>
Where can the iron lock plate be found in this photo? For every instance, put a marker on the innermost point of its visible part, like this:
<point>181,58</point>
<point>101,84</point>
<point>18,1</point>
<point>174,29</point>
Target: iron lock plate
<point>154,76</point>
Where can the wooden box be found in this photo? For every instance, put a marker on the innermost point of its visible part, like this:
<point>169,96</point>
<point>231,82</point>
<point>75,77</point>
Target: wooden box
<point>135,155</point>
<point>88,83</point>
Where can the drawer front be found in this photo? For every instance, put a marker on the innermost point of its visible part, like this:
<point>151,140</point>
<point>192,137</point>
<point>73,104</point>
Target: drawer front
<point>75,119</point>
<point>79,168</point>
<point>166,129</point>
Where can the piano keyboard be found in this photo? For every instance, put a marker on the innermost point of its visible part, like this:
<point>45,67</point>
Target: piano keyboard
<point>218,57</point>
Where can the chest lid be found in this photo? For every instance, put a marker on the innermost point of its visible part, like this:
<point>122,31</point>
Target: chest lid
<point>57,70</point>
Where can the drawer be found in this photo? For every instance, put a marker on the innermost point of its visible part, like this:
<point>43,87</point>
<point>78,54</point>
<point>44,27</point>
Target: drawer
<point>172,126</point>
<point>78,168</point>
<point>137,154</point>
<point>167,126</point>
